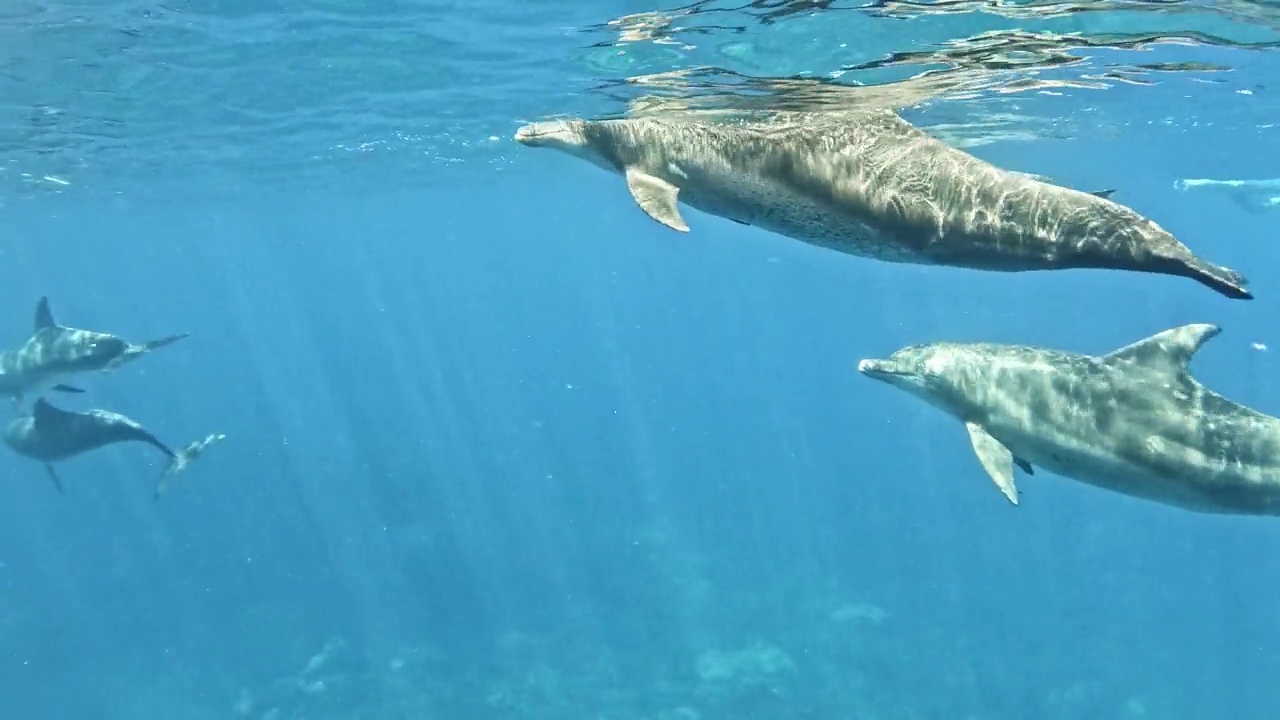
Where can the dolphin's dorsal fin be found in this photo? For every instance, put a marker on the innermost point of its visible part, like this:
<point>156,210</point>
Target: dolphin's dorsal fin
<point>996,459</point>
<point>44,316</point>
<point>42,411</point>
<point>656,197</point>
<point>1104,194</point>
<point>1169,351</point>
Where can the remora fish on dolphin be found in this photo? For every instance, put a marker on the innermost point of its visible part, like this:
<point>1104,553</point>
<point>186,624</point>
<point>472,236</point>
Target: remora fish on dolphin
<point>54,353</point>
<point>50,434</point>
<point>1133,421</point>
<point>869,183</point>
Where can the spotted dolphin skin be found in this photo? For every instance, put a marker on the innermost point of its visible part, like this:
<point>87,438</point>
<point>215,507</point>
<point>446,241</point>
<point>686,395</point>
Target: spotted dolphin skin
<point>55,353</point>
<point>1133,421</point>
<point>50,434</point>
<point>869,183</point>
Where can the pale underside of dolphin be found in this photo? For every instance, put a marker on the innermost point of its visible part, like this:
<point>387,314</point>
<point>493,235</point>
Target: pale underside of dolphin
<point>868,183</point>
<point>1133,421</point>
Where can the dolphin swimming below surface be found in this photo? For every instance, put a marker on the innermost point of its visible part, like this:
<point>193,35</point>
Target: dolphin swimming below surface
<point>869,183</point>
<point>1133,421</point>
<point>50,434</point>
<point>55,353</point>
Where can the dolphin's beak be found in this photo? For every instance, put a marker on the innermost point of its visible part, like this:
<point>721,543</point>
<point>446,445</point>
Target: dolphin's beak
<point>544,133</point>
<point>879,369</point>
<point>527,134</point>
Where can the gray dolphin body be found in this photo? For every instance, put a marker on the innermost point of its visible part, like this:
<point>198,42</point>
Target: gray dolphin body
<point>50,434</point>
<point>55,353</point>
<point>1133,421</point>
<point>869,183</point>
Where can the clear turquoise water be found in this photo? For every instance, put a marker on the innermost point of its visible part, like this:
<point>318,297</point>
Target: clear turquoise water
<point>501,447</point>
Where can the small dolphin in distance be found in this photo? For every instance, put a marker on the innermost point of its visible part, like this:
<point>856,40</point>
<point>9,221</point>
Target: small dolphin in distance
<point>868,183</point>
<point>50,434</point>
<point>1133,421</point>
<point>55,353</point>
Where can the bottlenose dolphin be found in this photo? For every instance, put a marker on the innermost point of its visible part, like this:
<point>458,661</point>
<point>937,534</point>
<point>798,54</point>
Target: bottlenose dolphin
<point>1133,421</point>
<point>869,183</point>
<point>54,353</point>
<point>50,434</point>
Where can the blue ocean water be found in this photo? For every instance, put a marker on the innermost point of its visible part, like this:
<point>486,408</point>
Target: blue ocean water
<point>500,446</point>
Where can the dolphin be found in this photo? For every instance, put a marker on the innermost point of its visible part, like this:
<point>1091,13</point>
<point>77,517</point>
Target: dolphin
<point>1133,421</point>
<point>50,434</point>
<point>869,183</point>
<point>54,353</point>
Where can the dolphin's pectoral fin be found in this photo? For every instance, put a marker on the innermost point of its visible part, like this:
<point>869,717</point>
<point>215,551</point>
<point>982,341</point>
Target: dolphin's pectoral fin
<point>61,387</point>
<point>656,197</point>
<point>1104,194</point>
<point>995,458</point>
<point>1026,466</point>
<point>53,475</point>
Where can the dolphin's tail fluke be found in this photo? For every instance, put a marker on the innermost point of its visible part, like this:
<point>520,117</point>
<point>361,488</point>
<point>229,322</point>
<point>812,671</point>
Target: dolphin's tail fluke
<point>182,459</point>
<point>1224,280</point>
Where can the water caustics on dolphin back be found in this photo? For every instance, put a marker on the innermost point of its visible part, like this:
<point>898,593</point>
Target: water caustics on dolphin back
<point>130,352</point>
<point>851,182</point>
<point>54,353</point>
<point>1133,421</point>
<point>44,319</point>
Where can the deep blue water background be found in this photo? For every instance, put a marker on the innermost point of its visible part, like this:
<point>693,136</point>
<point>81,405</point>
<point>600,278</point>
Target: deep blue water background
<point>508,402</point>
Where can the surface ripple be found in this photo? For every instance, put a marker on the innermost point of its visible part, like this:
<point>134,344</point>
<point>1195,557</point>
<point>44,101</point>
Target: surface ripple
<point>130,97</point>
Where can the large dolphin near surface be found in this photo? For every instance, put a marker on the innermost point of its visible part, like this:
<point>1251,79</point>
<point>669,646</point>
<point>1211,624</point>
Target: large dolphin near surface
<point>55,353</point>
<point>1133,421</point>
<point>869,183</point>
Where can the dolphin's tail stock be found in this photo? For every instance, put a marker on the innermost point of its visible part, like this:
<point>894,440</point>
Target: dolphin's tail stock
<point>182,459</point>
<point>1222,279</point>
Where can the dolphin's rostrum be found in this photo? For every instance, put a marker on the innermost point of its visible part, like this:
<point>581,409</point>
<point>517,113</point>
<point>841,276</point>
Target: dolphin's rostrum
<point>1133,421</point>
<point>869,183</point>
<point>50,434</point>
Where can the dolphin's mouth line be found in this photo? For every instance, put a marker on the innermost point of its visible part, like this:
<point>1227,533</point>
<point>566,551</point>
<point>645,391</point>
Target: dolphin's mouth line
<point>534,135</point>
<point>877,367</point>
